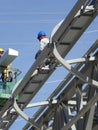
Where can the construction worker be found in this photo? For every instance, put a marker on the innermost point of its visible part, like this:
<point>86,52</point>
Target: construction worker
<point>43,40</point>
<point>1,52</point>
<point>7,74</point>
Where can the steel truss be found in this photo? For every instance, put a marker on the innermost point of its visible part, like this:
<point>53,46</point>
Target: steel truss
<point>76,96</point>
<point>76,106</point>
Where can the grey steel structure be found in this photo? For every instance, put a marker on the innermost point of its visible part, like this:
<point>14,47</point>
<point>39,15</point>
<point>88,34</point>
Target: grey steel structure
<point>75,106</point>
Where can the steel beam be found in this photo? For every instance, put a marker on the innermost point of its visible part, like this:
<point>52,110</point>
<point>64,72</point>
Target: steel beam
<point>41,103</point>
<point>82,77</point>
<point>24,116</point>
<point>81,113</point>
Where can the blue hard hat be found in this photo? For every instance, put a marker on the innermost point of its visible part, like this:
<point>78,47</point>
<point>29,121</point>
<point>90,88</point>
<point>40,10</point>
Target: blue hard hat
<point>41,33</point>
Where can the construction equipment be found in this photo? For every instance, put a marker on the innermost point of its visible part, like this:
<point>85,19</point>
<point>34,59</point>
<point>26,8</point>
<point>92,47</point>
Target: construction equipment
<point>8,76</point>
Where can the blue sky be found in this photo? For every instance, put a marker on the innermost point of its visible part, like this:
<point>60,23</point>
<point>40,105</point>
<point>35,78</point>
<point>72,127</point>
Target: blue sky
<point>21,20</point>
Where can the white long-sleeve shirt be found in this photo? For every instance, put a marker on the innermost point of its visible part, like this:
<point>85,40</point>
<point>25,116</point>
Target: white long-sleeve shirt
<point>43,43</point>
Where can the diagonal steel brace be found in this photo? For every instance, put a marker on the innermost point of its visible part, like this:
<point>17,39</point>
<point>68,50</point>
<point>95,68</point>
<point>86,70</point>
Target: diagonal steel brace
<point>71,69</point>
<point>24,116</point>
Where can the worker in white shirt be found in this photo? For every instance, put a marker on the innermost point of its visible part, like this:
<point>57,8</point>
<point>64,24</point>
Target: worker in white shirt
<point>43,40</point>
